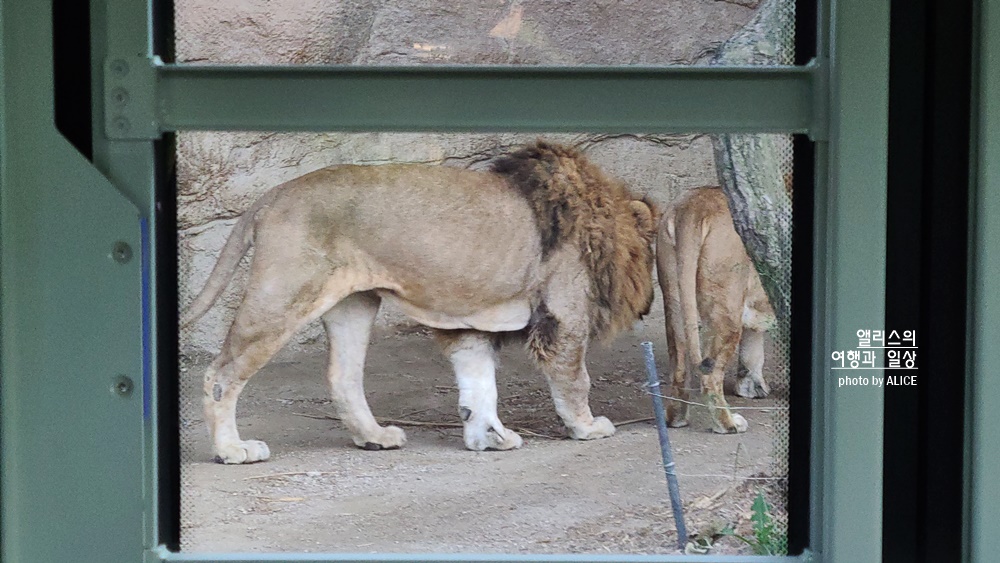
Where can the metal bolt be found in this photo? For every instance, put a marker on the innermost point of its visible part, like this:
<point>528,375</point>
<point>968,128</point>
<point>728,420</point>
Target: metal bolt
<point>121,252</point>
<point>122,386</point>
<point>121,124</point>
<point>119,68</point>
<point>120,96</point>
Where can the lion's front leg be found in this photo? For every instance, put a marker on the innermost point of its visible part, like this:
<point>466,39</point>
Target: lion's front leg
<point>348,326</point>
<point>565,368</point>
<point>569,383</point>
<point>558,339</point>
<point>474,358</point>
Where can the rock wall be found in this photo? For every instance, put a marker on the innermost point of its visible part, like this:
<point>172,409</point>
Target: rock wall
<point>571,32</point>
<point>221,174</point>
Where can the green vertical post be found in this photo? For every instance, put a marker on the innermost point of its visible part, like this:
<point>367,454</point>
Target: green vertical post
<point>983,393</point>
<point>855,284</point>
<point>70,327</point>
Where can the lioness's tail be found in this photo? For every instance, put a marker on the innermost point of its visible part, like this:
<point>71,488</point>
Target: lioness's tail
<point>236,246</point>
<point>688,235</point>
<point>666,271</point>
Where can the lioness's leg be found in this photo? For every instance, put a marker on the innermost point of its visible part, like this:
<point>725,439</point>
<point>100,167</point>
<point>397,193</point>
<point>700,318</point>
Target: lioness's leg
<point>474,358</point>
<point>750,375</point>
<point>348,326</point>
<point>721,345</point>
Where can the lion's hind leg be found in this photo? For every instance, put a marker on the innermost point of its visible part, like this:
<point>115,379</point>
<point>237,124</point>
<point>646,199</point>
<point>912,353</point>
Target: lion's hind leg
<point>223,386</point>
<point>473,355</point>
<point>273,309</point>
<point>348,327</point>
<point>251,342</point>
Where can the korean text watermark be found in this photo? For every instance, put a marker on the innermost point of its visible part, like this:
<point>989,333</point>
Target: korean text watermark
<point>897,349</point>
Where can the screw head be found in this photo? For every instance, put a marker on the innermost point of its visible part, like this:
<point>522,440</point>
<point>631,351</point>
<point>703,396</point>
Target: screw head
<point>121,124</point>
<point>119,68</point>
<point>122,386</point>
<point>121,252</point>
<point>120,96</point>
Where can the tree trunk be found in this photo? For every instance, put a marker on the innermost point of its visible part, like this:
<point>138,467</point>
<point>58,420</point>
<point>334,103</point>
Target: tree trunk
<point>752,168</point>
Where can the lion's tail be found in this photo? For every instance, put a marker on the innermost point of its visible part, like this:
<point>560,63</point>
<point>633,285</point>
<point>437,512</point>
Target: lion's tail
<point>688,238</point>
<point>240,240</point>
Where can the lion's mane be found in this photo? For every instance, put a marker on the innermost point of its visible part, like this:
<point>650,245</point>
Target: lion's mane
<point>575,203</point>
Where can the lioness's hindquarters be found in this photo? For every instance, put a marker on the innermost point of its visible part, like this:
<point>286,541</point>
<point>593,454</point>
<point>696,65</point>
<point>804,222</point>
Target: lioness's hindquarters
<point>710,288</point>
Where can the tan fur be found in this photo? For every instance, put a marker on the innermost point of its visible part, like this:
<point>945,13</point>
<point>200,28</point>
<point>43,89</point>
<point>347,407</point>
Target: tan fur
<point>710,287</point>
<point>543,244</point>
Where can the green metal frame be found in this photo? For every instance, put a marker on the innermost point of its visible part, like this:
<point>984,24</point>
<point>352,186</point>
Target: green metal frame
<point>983,458</point>
<point>78,458</point>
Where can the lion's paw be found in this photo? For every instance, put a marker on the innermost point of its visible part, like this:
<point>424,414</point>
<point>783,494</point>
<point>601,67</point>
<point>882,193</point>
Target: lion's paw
<point>492,440</point>
<point>677,422</point>
<point>739,426</point>
<point>752,387</point>
<point>248,451</point>
<point>389,438</point>
<point>600,428</point>
<point>677,413</point>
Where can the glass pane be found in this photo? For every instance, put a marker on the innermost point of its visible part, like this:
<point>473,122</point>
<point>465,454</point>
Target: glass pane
<point>318,492</point>
<point>486,32</point>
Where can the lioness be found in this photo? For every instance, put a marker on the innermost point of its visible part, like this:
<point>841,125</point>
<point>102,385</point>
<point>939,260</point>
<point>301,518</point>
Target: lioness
<point>707,279</point>
<point>543,244</point>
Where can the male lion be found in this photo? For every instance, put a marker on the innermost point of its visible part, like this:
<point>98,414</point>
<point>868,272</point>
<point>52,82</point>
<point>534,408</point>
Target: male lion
<point>543,244</point>
<point>707,279</point>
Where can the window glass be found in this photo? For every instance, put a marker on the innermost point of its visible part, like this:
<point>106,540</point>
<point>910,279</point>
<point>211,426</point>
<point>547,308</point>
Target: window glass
<point>318,491</point>
<point>486,32</point>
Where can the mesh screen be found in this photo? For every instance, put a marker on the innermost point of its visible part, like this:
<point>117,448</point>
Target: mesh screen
<point>319,492</point>
<point>486,32</point>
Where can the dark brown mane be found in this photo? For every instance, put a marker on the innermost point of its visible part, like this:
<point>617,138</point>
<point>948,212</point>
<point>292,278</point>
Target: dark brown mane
<point>576,203</point>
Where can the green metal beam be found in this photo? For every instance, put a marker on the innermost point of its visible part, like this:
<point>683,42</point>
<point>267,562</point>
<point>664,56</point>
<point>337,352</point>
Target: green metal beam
<point>593,99</point>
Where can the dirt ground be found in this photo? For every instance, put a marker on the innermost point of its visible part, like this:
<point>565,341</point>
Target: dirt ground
<point>318,493</point>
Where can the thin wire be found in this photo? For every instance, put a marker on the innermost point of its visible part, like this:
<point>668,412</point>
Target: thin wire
<point>734,477</point>
<point>706,406</point>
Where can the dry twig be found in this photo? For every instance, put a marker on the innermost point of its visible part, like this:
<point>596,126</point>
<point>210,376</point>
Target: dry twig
<point>288,474</point>
<point>428,424</point>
